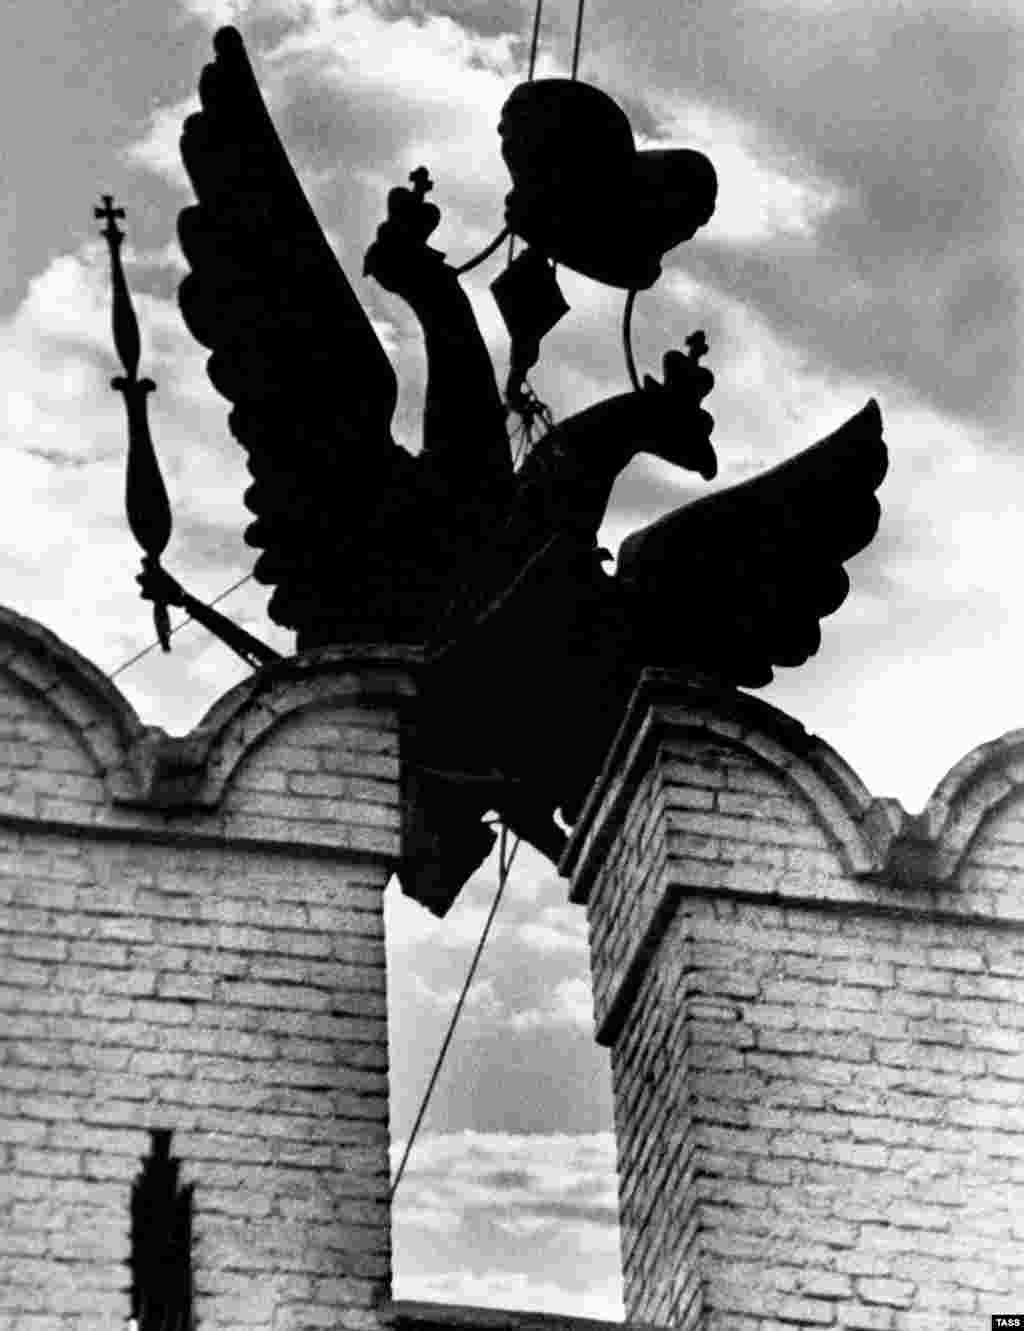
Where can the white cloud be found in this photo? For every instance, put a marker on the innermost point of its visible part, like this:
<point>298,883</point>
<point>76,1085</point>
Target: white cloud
<point>158,150</point>
<point>515,1289</point>
<point>763,192</point>
<point>364,45</point>
<point>214,12</point>
<point>513,1221</point>
<point>556,929</point>
<point>482,1003</point>
<point>574,1002</point>
<point>66,553</point>
<point>217,13</point>
<point>570,1004</point>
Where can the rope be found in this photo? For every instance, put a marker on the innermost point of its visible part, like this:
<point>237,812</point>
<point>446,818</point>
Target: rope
<point>187,620</point>
<point>577,39</point>
<point>504,866</point>
<point>485,253</point>
<point>627,338</point>
<point>538,11</point>
<point>535,39</point>
<point>532,412</point>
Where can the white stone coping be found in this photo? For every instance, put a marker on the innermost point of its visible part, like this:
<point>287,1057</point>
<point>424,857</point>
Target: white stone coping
<point>875,837</point>
<point>133,758</point>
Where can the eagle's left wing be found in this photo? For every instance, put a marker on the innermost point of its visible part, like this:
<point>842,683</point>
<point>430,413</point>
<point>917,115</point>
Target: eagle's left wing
<point>293,350</point>
<point>735,584</point>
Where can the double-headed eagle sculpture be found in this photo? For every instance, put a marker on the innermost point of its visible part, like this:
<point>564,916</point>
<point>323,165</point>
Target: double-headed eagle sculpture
<point>531,648</point>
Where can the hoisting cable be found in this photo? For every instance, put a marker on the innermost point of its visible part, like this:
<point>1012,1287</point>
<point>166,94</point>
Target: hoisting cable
<point>152,646</point>
<point>505,861</point>
<point>627,337</point>
<point>484,254</point>
<point>538,11</point>
<point>530,409</point>
<point>504,233</point>
<point>577,39</point>
<point>535,40</point>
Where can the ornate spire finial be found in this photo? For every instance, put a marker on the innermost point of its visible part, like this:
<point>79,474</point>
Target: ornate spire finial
<point>148,509</point>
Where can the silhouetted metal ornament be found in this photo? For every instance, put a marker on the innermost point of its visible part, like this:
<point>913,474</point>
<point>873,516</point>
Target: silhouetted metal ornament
<point>583,194</point>
<point>455,549</point>
<point>161,1242</point>
<point>531,303</point>
<point>147,506</point>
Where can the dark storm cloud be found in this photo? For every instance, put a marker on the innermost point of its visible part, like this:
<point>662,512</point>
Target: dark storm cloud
<point>78,78</point>
<point>368,120</point>
<point>488,20</point>
<point>913,113</point>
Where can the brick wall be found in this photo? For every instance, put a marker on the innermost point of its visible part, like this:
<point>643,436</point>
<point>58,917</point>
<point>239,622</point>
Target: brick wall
<point>815,1007</point>
<point>191,938</point>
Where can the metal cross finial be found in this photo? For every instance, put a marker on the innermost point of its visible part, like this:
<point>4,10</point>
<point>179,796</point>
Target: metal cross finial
<point>111,215</point>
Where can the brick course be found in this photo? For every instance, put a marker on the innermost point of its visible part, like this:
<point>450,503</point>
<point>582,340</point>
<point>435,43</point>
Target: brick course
<point>191,937</point>
<point>815,1008</point>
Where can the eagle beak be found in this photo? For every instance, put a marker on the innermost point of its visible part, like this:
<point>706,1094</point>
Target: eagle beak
<point>683,436</point>
<point>707,466</point>
<point>694,450</point>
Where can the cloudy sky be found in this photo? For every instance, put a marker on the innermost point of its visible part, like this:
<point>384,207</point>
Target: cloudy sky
<point>868,241</point>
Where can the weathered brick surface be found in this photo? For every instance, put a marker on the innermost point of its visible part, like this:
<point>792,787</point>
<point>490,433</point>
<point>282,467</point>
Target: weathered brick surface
<point>212,964</point>
<point>818,1073</point>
